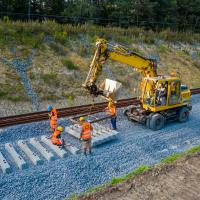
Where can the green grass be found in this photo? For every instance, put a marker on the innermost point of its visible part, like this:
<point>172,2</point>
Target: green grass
<point>193,150</point>
<point>139,170</point>
<point>171,158</point>
<point>136,171</point>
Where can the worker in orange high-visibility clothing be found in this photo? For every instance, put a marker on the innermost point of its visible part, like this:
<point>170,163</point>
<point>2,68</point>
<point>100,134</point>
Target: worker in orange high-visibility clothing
<point>53,116</point>
<point>56,136</point>
<point>86,135</point>
<point>112,111</point>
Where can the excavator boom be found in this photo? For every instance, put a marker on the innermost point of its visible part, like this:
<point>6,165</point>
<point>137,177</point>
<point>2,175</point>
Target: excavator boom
<point>105,51</point>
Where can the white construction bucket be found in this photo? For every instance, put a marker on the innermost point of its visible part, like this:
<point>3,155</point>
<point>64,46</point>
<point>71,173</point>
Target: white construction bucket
<point>110,88</point>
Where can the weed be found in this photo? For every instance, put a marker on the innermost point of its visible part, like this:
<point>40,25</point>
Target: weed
<point>171,158</point>
<point>60,36</point>
<point>95,189</point>
<point>3,94</point>
<point>163,48</point>
<point>136,171</point>
<point>193,150</point>
<point>69,64</point>
<point>58,49</point>
<point>72,196</point>
<point>70,99</point>
<point>16,98</point>
<point>82,50</point>
<point>50,79</point>
<point>6,19</point>
<point>50,97</point>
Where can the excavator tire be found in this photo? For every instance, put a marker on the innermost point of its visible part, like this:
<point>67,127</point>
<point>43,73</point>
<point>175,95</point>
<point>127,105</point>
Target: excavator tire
<point>157,121</point>
<point>148,120</point>
<point>183,115</point>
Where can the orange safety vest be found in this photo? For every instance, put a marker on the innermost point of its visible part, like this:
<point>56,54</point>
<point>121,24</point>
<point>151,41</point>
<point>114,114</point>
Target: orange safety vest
<point>112,110</point>
<point>53,121</point>
<point>55,136</point>
<point>86,131</point>
<point>54,112</point>
<point>53,118</point>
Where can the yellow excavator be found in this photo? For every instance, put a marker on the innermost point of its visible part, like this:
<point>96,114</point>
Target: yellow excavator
<point>162,97</point>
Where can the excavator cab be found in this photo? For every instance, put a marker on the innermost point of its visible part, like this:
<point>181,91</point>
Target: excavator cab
<point>162,92</point>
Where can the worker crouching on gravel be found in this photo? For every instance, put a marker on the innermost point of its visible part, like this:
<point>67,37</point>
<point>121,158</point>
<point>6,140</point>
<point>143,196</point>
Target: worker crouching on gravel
<point>53,116</point>
<point>56,137</point>
<point>112,111</point>
<point>86,135</point>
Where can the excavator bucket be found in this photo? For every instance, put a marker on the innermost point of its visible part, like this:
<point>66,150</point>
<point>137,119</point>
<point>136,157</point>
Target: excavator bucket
<point>110,88</point>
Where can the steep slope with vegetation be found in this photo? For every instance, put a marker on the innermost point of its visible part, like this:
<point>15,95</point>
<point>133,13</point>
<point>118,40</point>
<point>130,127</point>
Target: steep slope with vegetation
<point>51,60</point>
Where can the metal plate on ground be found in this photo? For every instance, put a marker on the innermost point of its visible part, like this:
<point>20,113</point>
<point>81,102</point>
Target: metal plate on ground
<point>100,135</point>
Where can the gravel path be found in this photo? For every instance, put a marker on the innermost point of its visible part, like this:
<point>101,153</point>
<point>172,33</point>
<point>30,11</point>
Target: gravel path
<point>135,146</point>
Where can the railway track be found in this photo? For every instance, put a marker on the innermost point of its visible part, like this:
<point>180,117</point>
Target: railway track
<point>71,111</point>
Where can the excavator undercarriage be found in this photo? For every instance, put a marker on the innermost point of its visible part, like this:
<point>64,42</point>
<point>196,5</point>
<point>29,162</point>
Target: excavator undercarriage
<point>157,120</point>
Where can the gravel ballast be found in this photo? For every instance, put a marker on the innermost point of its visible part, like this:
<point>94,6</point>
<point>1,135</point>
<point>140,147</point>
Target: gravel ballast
<point>135,146</point>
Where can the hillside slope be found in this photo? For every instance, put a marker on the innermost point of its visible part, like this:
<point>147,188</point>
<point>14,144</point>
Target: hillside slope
<point>42,63</point>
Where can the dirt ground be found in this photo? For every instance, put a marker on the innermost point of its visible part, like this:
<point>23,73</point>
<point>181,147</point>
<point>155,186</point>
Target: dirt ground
<point>177,181</point>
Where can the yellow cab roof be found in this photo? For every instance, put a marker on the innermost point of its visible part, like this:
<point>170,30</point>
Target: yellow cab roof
<point>163,78</point>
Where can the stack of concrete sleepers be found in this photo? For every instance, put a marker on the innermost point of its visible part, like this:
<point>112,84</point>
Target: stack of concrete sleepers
<point>100,135</point>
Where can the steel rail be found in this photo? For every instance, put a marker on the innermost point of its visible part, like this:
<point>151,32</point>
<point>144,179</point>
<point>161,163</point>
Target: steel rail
<point>69,111</point>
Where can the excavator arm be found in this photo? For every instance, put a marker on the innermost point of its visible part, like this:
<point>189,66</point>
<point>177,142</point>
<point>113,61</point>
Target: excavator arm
<point>105,51</point>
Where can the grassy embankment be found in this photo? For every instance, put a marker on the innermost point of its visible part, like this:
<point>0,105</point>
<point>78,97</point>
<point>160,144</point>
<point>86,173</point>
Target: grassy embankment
<point>62,53</point>
<point>137,171</point>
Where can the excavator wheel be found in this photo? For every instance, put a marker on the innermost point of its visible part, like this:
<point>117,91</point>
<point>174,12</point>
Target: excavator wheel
<point>157,121</point>
<point>148,118</point>
<point>183,114</point>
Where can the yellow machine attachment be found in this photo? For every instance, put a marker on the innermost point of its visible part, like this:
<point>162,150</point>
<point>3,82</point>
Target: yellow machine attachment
<point>162,98</point>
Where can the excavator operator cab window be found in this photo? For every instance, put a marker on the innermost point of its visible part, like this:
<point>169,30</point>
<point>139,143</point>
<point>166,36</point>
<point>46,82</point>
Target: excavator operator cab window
<point>175,92</point>
<point>161,89</point>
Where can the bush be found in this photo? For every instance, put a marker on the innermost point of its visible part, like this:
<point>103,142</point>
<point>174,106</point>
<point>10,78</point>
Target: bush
<point>82,50</point>
<point>69,64</point>
<point>6,19</point>
<point>60,36</point>
<point>50,79</point>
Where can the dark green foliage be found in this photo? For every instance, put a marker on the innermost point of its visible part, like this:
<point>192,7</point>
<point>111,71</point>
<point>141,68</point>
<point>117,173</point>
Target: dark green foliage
<point>69,64</point>
<point>151,14</point>
<point>50,79</point>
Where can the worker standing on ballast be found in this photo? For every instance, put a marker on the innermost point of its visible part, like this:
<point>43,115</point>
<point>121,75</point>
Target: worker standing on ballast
<point>112,111</point>
<point>53,116</point>
<point>86,135</point>
<point>56,137</point>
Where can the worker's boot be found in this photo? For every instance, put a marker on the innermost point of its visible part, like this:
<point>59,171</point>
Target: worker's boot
<point>84,152</point>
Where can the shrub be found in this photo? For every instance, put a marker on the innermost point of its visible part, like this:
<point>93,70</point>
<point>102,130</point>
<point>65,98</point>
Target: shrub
<point>6,19</point>
<point>60,36</point>
<point>69,64</point>
<point>50,79</point>
<point>82,50</point>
